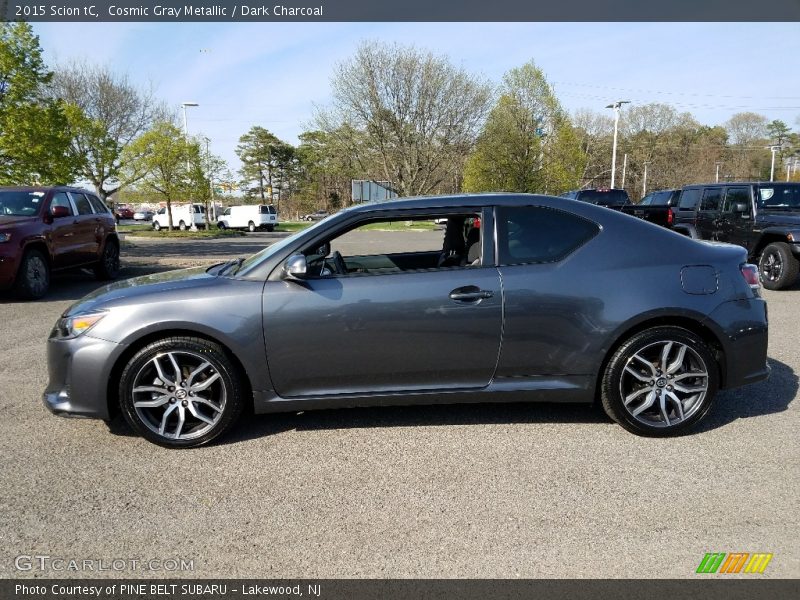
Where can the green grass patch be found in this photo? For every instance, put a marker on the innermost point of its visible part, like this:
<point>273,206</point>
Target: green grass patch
<point>188,234</point>
<point>400,226</point>
<point>132,228</point>
<point>292,226</point>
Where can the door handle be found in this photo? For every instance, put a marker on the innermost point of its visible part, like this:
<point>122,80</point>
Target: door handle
<point>470,294</point>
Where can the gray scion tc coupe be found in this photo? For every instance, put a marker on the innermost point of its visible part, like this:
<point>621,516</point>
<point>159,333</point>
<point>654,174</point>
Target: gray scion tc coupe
<point>519,298</point>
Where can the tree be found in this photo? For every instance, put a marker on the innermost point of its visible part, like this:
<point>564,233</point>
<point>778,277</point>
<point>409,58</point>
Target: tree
<point>419,115</point>
<point>257,150</point>
<point>527,143</point>
<point>34,134</point>
<point>169,164</point>
<point>107,113</point>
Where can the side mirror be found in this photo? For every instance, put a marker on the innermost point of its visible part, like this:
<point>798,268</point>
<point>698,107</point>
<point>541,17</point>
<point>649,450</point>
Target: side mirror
<point>295,267</point>
<point>59,211</point>
<point>741,207</point>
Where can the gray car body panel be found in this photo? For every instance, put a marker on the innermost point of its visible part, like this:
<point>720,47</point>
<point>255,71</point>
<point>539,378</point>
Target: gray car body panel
<point>544,334</point>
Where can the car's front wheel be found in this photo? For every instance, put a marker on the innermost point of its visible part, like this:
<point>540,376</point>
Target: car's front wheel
<point>33,277</point>
<point>181,392</point>
<point>156,225</point>
<point>778,267</point>
<point>660,382</point>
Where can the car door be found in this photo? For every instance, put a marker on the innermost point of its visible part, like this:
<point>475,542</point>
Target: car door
<point>88,228</point>
<point>64,244</point>
<point>735,225</point>
<point>390,330</point>
<point>708,216</point>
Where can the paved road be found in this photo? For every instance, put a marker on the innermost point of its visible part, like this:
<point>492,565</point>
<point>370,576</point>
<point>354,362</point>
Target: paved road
<point>462,491</point>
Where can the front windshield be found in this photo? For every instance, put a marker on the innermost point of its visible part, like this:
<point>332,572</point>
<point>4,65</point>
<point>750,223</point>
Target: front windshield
<point>785,195</point>
<point>20,204</point>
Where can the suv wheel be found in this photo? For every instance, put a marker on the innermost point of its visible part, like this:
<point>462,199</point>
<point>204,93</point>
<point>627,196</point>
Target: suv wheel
<point>156,225</point>
<point>251,226</point>
<point>33,277</point>
<point>777,266</point>
<point>660,382</point>
<point>181,392</point>
<point>108,267</point>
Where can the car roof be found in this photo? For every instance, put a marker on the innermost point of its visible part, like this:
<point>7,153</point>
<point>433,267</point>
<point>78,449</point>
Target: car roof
<point>463,200</point>
<point>44,188</point>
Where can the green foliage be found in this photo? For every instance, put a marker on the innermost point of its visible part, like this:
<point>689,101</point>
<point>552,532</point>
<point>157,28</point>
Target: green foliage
<point>34,130</point>
<point>265,161</point>
<point>527,143</point>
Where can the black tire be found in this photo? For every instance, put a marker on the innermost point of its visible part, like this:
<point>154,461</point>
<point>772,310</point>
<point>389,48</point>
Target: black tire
<point>156,225</point>
<point>656,421</point>
<point>188,351</point>
<point>33,276</point>
<point>182,226</point>
<point>251,226</point>
<point>221,225</point>
<point>777,266</point>
<point>108,267</point>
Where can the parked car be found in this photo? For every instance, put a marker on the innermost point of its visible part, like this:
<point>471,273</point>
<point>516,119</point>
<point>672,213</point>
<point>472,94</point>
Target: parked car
<point>762,217</point>
<point>123,212</point>
<point>608,197</point>
<point>656,207</point>
<point>143,215</point>
<point>252,217</point>
<point>315,216</point>
<point>47,229</point>
<point>555,301</point>
<point>182,217</point>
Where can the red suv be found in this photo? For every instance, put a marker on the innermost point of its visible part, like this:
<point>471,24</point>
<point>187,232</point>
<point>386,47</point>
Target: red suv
<point>45,229</point>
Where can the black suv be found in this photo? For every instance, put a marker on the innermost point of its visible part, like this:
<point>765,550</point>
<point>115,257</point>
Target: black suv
<point>764,217</point>
<point>612,198</point>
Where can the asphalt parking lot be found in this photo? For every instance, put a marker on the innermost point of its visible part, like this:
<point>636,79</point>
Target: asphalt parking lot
<point>457,491</point>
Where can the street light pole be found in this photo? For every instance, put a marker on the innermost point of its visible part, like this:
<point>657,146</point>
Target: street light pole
<point>192,225</point>
<point>644,180</point>
<point>624,168</point>
<point>616,106</point>
<point>718,165</point>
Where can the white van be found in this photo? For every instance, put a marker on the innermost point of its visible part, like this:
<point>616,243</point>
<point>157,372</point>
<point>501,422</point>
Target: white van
<point>182,217</point>
<point>249,216</point>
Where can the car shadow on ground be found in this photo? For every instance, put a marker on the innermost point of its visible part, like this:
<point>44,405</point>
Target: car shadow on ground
<point>74,285</point>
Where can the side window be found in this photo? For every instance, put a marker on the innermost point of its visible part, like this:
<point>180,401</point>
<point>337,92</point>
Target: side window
<point>711,199</point>
<point>734,196</point>
<point>539,235</point>
<point>81,203</point>
<point>162,211</point>
<point>689,199</point>
<point>647,200</point>
<point>97,205</point>
<point>60,199</point>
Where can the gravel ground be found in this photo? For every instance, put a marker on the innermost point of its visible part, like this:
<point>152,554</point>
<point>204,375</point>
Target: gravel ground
<point>457,491</point>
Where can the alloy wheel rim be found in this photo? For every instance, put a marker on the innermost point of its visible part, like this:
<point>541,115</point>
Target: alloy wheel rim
<point>772,267</point>
<point>37,275</point>
<point>179,395</point>
<point>664,383</point>
<point>112,259</point>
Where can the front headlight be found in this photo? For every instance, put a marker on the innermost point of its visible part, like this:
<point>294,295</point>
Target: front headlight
<point>72,327</point>
<point>5,237</point>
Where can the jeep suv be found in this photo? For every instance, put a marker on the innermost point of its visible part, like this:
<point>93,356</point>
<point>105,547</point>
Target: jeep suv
<point>764,217</point>
<point>46,229</point>
<point>611,198</point>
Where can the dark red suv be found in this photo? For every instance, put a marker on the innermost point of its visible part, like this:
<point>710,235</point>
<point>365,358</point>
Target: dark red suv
<point>45,229</point>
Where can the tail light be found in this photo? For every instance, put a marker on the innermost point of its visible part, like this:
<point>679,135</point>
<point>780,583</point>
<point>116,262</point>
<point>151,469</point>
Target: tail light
<point>670,216</point>
<point>750,274</point>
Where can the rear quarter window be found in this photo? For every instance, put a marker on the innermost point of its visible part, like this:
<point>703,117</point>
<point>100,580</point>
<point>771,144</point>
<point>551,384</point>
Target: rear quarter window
<point>97,205</point>
<point>689,199</point>
<point>531,234</point>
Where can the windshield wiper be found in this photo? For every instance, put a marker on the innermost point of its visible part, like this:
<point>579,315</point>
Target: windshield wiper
<point>232,266</point>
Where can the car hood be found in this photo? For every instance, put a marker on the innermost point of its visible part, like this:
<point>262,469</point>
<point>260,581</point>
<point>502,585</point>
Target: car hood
<point>127,290</point>
<point>778,218</point>
<point>13,220</point>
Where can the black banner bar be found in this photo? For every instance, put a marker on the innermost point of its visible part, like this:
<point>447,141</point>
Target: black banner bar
<point>705,587</point>
<point>400,10</point>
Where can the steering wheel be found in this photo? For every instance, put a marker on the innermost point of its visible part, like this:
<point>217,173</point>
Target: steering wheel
<point>338,263</point>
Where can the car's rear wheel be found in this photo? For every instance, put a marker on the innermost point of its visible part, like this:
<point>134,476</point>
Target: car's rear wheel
<point>777,266</point>
<point>181,392</point>
<point>660,382</point>
<point>251,226</point>
<point>182,226</point>
<point>33,277</point>
<point>108,267</point>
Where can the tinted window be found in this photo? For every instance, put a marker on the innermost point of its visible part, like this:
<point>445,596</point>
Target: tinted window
<point>689,199</point>
<point>712,198</point>
<point>538,235</point>
<point>647,200</point>
<point>267,210</point>
<point>60,199</point>
<point>735,195</point>
<point>81,203</point>
<point>97,205</point>
<point>785,195</point>
<point>604,198</point>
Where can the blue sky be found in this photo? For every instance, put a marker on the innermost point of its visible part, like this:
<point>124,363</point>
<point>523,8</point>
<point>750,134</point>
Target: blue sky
<point>274,74</point>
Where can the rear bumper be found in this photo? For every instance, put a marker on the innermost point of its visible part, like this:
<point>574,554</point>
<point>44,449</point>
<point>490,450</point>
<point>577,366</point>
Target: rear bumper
<point>743,331</point>
<point>79,372</point>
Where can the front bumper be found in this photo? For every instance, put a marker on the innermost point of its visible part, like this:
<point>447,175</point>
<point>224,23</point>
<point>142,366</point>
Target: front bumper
<point>9,264</point>
<point>79,376</point>
<point>742,328</point>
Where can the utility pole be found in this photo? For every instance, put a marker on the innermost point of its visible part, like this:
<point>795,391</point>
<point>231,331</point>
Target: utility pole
<point>774,148</point>
<point>624,167</point>
<point>718,165</point>
<point>192,225</point>
<point>644,180</point>
<point>616,106</point>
